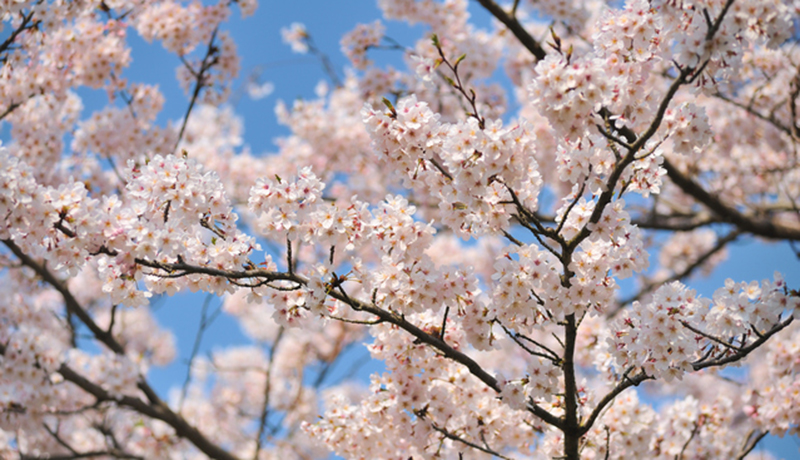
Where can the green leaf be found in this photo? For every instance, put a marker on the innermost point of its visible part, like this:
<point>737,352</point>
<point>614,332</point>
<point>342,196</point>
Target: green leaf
<point>389,105</point>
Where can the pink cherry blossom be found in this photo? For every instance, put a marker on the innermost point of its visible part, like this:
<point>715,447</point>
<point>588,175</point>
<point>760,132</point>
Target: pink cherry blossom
<point>507,221</point>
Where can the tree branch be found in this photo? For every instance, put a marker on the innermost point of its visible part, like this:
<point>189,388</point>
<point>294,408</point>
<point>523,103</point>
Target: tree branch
<point>155,407</point>
<point>510,21</point>
<point>764,228</point>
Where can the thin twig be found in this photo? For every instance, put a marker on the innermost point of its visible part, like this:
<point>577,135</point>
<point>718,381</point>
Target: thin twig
<point>195,349</point>
<point>447,434</point>
<point>262,420</point>
<point>209,60</point>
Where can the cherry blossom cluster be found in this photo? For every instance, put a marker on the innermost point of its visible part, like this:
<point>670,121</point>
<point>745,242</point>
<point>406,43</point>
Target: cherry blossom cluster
<point>686,248</point>
<point>293,210</point>
<point>479,46</point>
<point>629,35</point>
<point>654,338</point>
<point>296,36</point>
<point>614,240</point>
<point>710,428</point>
<point>175,25</point>
<point>668,335</point>
<point>332,127</point>
<point>688,128</point>
<point>706,427</point>
<point>125,133</point>
<point>216,78</point>
<point>526,279</point>
<point>236,395</point>
<point>738,307</point>
<point>294,207</point>
<point>447,18</point>
<point>482,256</point>
<point>626,429</point>
<point>181,213</point>
<point>137,330</point>
<point>612,75</point>
<point>120,373</point>
<point>356,43</point>
<point>569,92</point>
<point>90,69</point>
<point>571,13</point>
<point>772,399</point>
<point>591,160</point>
<point>541,383</point>
<point>686,25</point>
<point>747,150</point>
<point>407,409</point>
<point>528,288</point>
<point>73,50</point>
<point>471,169</point>
<point>29,357</point>
<point>405,281</point>
<point>37,131</point>
<point>44,220</point>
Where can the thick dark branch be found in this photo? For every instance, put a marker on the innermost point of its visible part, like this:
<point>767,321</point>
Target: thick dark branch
<point>572,425</point>
<point>12,107</point>
<point>23,26</point>
<point>385,316</point>
<point>511,238</point>
<point>180,269</point>
<point>637,143</point>
<point>662,109</point>
<point>764,228</point>
<point>398,320</point>
<point>712,30</point>
<point>155,407</point>
<point>440,345</point>
<point>515,27</point>
<point>674,223</point>
<point>679,223</point>
<point>71,302</point>
<point>160,412</point>
<point>710,337</point>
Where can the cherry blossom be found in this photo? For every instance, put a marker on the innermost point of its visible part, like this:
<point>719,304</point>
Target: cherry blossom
<point>510,220</point>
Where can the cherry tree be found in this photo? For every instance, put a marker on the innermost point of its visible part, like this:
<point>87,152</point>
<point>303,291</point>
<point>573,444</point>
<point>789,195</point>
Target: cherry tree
<point>469,214</point>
